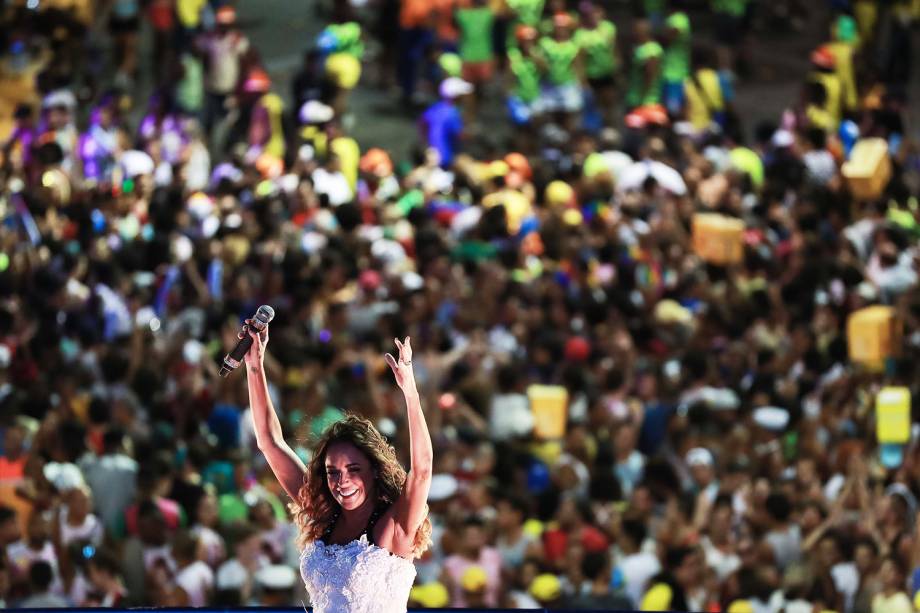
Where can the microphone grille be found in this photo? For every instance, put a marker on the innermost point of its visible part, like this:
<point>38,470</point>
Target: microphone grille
<point>265,314</point>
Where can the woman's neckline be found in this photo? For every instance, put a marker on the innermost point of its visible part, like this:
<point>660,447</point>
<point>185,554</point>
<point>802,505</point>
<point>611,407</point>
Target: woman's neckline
<point>361,540</point>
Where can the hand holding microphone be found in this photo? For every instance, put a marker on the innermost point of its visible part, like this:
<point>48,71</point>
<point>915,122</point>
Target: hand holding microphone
<point>251,345</point>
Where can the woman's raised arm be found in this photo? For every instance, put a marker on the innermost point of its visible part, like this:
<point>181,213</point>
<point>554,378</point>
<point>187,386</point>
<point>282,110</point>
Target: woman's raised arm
<point>287,467</point>
<point>410,509</point>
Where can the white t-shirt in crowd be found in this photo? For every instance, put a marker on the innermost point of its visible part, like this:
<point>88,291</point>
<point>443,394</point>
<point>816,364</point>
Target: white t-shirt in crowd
<point>723,563</point>
<point>510,417</point>
<point>90,530</point>
<point>197,581</point>
<point>637,569</point>
<point>224,53</point>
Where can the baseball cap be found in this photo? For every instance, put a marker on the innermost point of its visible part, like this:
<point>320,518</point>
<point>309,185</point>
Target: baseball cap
<point>774,419</point>
<point>225,15</point>
<point>823,58</point>
<point>135,163</point>
<point>563,20</point>
<point>783,138</point>
<point>257,81</point>
<point>699,456</point>
<point>454,87</point>
<point>60,98</point>
<point>525,32</point>
<point>376,161</point>
<point>314,111</point>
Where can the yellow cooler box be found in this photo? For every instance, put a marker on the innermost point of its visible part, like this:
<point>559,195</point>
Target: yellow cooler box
<point>549,405</point>
<point>869,168</point>
<point>874,334</point>
<point>892,415</point>
<point>718,239</point>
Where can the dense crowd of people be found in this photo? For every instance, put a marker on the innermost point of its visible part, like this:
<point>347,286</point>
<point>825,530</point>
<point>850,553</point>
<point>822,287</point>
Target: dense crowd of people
<point>620,419</point>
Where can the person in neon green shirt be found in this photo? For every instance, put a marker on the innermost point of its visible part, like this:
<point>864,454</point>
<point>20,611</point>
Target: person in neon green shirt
<point>675,65</point>
<point>524,75</point>
<point>527,12</point>
<point>348,38</point>
<point>596,38</point>
<point>547,24</point>
<point>475,23</point>
<point>561,61</point>
<point>645,74</point>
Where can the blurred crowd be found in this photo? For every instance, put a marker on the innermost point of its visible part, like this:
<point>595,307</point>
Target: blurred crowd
<point>718,446</point>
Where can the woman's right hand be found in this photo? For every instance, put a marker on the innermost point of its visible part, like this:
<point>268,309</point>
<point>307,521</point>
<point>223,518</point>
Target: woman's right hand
<point>256,353</point>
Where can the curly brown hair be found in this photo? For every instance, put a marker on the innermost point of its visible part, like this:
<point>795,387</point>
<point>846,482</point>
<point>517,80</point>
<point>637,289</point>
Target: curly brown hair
<point>315,508</point>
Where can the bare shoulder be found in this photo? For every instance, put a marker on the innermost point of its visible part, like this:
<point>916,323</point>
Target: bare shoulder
<point>388,535</point>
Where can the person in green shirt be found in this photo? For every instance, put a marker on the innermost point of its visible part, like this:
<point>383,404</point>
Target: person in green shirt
<point>596,38</point>
<point>347,38</point>
<point>675,65</point>
<point>645,73</point>
<point>547,24</point>
<point>475,24</point>
<point>524,74</point>
<point>527,12</point>
<point>560,59</point>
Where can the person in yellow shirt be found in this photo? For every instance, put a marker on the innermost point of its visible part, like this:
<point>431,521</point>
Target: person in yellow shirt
<point>266,129</point>
<point>347,150</point>
<point>892,598</point>
<point>706,94</point>
<point>844,45</point>
<point>824,92</point>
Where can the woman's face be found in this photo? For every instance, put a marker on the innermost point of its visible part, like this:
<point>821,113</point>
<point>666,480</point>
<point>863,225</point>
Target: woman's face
<point>207,510</point>
<point>349,475</point>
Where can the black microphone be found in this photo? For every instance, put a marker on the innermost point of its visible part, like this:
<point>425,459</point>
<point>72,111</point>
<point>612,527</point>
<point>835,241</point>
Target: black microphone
<point>233,359</point>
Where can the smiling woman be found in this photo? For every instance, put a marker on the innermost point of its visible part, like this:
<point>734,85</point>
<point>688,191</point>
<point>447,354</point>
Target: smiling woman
<point>362,518</point>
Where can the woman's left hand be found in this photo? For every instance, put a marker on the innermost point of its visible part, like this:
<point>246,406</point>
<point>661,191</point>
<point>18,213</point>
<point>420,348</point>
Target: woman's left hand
<point>402,368</point>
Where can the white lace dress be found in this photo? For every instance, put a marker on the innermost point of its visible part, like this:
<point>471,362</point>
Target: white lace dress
<point>359,577</point>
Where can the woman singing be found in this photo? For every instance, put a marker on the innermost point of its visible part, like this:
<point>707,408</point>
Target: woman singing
<point>362,519</point>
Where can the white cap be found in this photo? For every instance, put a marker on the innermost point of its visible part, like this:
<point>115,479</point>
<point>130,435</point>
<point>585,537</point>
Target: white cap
<point>454,87</point>
<point>699,456</point>
<point>387,427</point>
<point>192,351</point>
<point>136,163</point>
<point>774,419</point>
<point>306,153</point>
<point>60,97</point>
<point>443,486</point>
<point>412,281</point>
<point>866,291</point>
<point>783,138</point>
<point>63,476</point>
<point>276,577</point>
<point>314,111</point>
